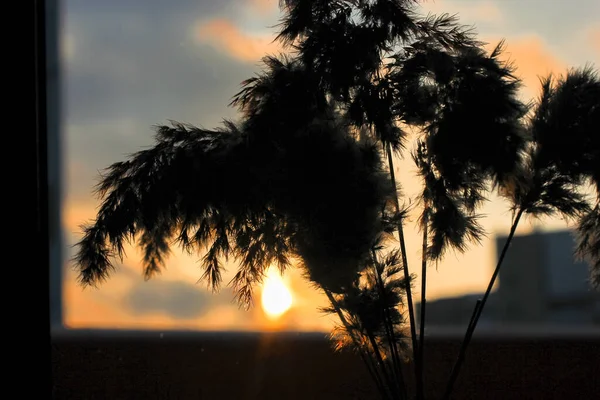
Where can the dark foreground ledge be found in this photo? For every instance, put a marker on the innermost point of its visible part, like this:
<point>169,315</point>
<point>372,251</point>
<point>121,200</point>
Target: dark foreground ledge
<point>114,365</point>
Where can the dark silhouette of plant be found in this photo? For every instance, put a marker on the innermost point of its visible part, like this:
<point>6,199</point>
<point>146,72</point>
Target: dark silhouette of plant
<point>550,178</point>
<point>222,190</point>
<point>302,177</point>
<point>565,126</point>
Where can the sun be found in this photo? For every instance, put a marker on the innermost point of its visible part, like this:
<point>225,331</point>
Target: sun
<point>276,297</point>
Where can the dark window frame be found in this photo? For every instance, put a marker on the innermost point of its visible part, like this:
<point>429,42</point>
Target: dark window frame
<point>49,196</point>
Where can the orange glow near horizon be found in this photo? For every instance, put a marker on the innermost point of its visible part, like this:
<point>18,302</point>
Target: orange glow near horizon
<point>227,37</point>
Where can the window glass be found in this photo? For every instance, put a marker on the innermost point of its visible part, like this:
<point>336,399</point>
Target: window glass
<point>127,65</point>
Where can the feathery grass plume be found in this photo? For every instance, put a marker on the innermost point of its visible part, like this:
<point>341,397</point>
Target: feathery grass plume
<point>371,309</point>
<point>447,32</point>
<point>281,100</point>
<point>547,181</point>
<point>545,190</point>
<point>338,198</point>
<point>450,220</point>
<point>566,122</point>
<point>472,117</point>
<point>565,126</point>
<point>153,193</point>
<point>374,324</point>
<point>293,204</point>
<point>327,34</point>
<point>292,174</point>
<point>588,248</point>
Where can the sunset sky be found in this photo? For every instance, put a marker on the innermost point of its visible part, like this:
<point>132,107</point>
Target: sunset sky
<point>131,64</point>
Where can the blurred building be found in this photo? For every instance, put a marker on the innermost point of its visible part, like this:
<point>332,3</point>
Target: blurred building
<point>540,283</point>
<point>457,311</point>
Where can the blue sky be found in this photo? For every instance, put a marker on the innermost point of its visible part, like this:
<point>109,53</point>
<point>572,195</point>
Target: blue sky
<point>129,65</point>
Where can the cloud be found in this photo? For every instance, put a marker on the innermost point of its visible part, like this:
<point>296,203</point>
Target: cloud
<point>264,6</point>
<point>125,69</point>
<point>150,75</point>
<point>532,59</point>
<point>485,11</point>
<point>88,307</point>
<point>594,39</point>
<point>556,21</point>
<point>482,12</point>
<point>173,300</point>
<point>157,9</point>
<point>226,37</point>
<point>138,60</point>
<point>126,301</point>
<point>181,300</point>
